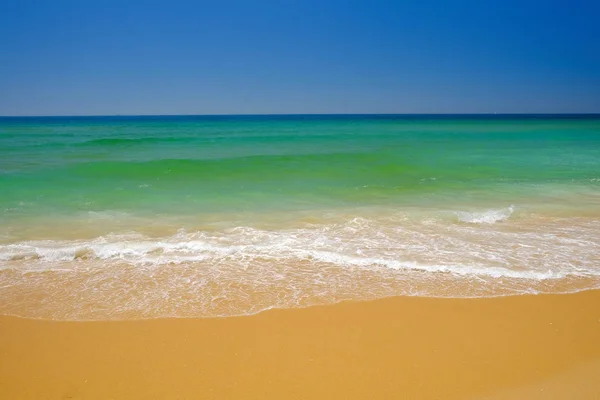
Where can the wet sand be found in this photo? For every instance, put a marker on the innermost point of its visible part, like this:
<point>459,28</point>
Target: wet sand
<point>523,347</point>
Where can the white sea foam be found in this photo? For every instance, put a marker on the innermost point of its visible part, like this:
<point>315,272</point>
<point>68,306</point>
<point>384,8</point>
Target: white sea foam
<point>246,269</point>
<point>486,217</point>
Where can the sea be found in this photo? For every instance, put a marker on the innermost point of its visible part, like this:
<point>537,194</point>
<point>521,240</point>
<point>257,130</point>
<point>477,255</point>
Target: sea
<point>112,218</point>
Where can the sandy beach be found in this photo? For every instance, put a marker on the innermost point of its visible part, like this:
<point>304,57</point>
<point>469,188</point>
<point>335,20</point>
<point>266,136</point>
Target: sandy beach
<point>521,347</point>
<point>299,200</point>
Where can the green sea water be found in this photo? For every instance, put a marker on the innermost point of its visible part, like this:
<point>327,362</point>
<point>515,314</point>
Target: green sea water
<point>135,217</point>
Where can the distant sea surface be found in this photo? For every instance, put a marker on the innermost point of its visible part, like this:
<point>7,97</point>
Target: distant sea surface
<point>203,216</point>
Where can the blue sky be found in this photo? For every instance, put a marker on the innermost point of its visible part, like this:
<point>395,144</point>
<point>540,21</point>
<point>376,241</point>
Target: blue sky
<point>230,57</point>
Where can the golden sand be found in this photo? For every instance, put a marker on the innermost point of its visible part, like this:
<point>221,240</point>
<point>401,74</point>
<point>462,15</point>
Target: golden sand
<point>525,347</point>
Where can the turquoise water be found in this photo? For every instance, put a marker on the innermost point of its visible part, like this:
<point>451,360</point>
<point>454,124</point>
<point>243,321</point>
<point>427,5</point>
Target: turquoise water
<point>191,164</point>
<point>227,215</point>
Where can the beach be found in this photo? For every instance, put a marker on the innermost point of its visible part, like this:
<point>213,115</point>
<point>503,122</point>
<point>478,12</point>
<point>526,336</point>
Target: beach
<point>300,257</point>
<point>517,347</point>
<point>120,218</point>
<point>299,200</point>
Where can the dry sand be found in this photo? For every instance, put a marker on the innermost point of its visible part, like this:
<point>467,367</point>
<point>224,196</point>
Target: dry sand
<point>525,347</point>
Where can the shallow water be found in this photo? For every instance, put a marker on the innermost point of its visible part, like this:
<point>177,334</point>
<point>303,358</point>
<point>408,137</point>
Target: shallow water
<point>142,217</point>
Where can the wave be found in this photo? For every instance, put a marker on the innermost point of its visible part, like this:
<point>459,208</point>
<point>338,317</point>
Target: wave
<point>196,139</point>
<point>45,142</point>
<point>232,167</point>
<point>122,141</point>
<point>245,269</point>
<point>152,252</point>
<point>486,217</point>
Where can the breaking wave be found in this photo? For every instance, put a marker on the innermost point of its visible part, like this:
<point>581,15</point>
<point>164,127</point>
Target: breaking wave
<point>486,217</point>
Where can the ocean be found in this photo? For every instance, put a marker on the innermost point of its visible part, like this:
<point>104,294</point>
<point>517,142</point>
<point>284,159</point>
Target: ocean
<point>107,218</point>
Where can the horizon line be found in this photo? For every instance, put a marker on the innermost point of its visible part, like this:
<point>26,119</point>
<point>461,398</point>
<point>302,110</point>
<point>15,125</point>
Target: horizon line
<point>304,114</point>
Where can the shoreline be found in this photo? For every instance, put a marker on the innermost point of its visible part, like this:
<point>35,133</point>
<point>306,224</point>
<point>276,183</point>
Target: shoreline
<point>528,346</point>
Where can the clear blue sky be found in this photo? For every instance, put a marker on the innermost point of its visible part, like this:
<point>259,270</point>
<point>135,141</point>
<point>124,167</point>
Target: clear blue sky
<point>194,57</point>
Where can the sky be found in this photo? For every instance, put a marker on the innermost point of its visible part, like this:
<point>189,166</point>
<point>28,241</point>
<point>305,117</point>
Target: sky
<point>139,57</point>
